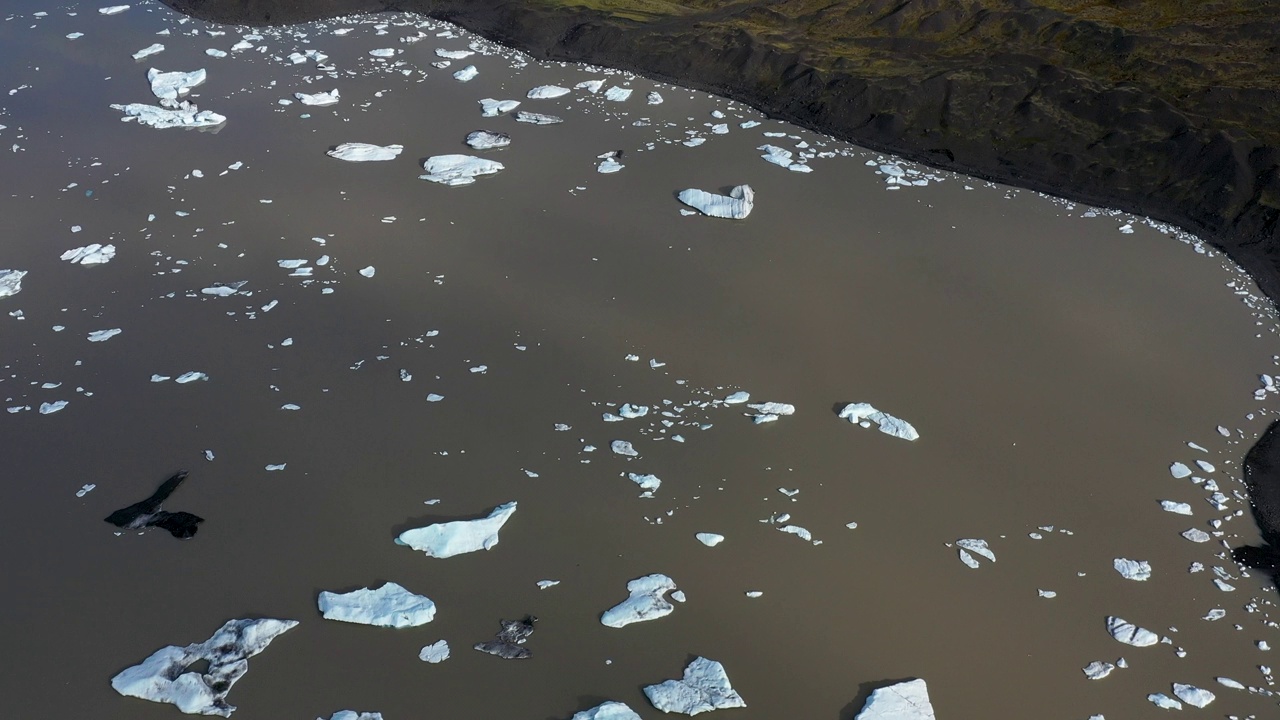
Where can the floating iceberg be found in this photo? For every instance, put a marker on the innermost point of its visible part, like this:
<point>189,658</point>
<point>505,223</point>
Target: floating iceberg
<point>608,711</point>
<point>622,447</point>
<point>184,115</point>
<point>648,483</point>
<point>705,687</point>
<point>191,376</point>
<point>455,170</point>
<point>591,86</point>
<point>1097,670</point>
<point>444,540</point>
<point>1196,535</point>
<point>353,715</point>
<point>148,51</point>
<point>773,408</point>
<point>736,206</point>
<point>654,98</point>
<point>1192,695</point>
<point>1132,569</point>
<point>903,701</point>
<point>383,53</point>
<point>1176,507</point>
<point>609,162</point>
<point>104,335</point>
<point>509,640</point>
<point>1130,634</point>
<point>319,99</point>
<point>545,92</point>
<point>1164,702</point>
<point>485,140</point>
<point>862,413</point>
<point>973,545</point>
<point>11,282</point>
<point>534,118</point>
<point>388,606</point>
<point>493,108</point>
<point>171,85</point>
<point>95,254</point>
<point>737,398</point>
<point>617,94</point>
<point>161,677</point>
<point>646,602</point>
<point>50,408</point>
<point>709,539</point>
<point>113,9</point>
<point>1179,470</point>
<point>436,652</point>
<point>454,54</point>
<point>466,74</point>
<point>364,152</point>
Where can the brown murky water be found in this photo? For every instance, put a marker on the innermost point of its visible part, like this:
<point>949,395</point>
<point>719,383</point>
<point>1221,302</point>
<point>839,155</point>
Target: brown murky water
<point>1053,366</point>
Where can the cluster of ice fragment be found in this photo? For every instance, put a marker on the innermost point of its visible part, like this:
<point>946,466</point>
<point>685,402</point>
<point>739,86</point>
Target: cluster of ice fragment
<point>365,152</point>
<point>770,411</point>
<point>443,540</point>
<point>864,414</point>
<point>534,118</point>
<point>318,99</point>
<point>353,715</point>
<point>11,282</point>
<point>902,701</point>
<point>94,254</point>
<point>184,114</point>
<point>704,687</point>
<point>975,546</point>
<point>455,170</point>
<point>645,603</point>
<point>172,85</point>
<point>737,205</point>
<point>388,606</point>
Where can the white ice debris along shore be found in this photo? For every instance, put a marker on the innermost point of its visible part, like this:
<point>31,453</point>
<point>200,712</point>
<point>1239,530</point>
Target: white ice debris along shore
<point>736,205</point>
<point>365,152</point>
<point>11,282</point>
<point>444,540</point>
<point>864,414</point>
<point>704,687</point>
<point>646,602</point>
<point>388,606</point>
<point>160,678</point>
<point>95,254</point>
<point>610,710</point>
<point>903,701</point>
<point>1130,634</point>
<point>455,170</point>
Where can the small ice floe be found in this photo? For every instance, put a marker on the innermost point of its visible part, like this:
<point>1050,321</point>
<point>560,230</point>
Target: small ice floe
<point>1192,695</point>
<point>709,539</point>
<point>617,94</point>
<point>49,408</point>
<point>383,53</point>
<point>353,715</point>
<point>864,414</point>
<point>276,468</point>
<point>1228,682</point>
<point>770,411</point>
<point>162,677</point>
<point>545,92</point>
<point>902,701</point>
<point>737,398</point>
<point>113,9</point>
<point>454,54</point>
<point>704,687</point>
<point>188,377</point>
<point>1139,570</point>
<point>485,140</point>
<point>466,74</point>
<point>591,86</point>
<point>85,490</point>
<point>148,51</point>
<point>1175,507</point>
<point>183,115</point>
<point>622,447</point>
<point>1164,702</point>
<point>607,711</point>
<point>509,641</point>
<point>609,162</point>
<point>388,606</point>
<point>653,98</point>
<point>454,170</point>
<point>215,53</point>
<point>365,152</point>
<point>648,483</point>
<point>172,85</point>
<point>1179,470</point>
<point>1097,670</point>
<point>318,99</point>
<point>436,652</point>
<point>493,108</point>
<point>1130,634</point>
<point>534,118</point>
<point>544,584</point>
<point>1215,614</point>
<point>798,531</point>
<point>11,282</point>
<point>1047,594</point>
<point>753,594</point>
<point>433,397</point>
<point>1196,535</point>
<point>368,271</point>
<point>104,335</point>
<point>736,205</point>
<point>645,603</point>
<point>95,254</point>
<point>443,540</point>
<point>975,546</point>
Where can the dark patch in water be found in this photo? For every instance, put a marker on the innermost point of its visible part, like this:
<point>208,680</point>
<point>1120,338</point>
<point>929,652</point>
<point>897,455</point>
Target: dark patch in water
<point>509,640</point>
<point>145,514</point>
<point>1262,478</point>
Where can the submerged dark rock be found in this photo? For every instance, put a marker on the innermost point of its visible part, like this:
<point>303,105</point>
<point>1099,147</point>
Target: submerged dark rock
<point>1262,478</point>
<point>510,639</point>
<point>147,513</point>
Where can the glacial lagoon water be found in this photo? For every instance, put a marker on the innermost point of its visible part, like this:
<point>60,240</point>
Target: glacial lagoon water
<point>402,352</point>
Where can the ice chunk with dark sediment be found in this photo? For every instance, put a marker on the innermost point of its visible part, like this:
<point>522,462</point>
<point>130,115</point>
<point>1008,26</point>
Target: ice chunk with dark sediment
<point>11,282</point>
<point>534,118</point>
<point>388,606</point>
<point>591,86</point>
<point>172,85</point>
<point>485,140</point>
<point>493,108</point>
<point>184,114</point>
<point>862,413</point>
<point>736,205</point>
<point>455,170</point>
<point>902,701</point>
<point>94,254</point>
<point>608,711</point>
<point>162,677</point>
<point>353,715</point>
<point>609,162</point>
<point>1132,569</point>
<point>365,152</point>
<point>508,644</point>
<point>645,603</point>
<point>318,99</point>
<point>704,687</point>
<point>1192,695</point>
<point>1130,634</point>
<point>648,483</point>
<point>545,92</point>
<point>443,540</point>
<point>148,513</point>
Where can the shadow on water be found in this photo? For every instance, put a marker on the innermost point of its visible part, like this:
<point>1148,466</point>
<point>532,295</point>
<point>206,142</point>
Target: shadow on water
<point>1262,479</point>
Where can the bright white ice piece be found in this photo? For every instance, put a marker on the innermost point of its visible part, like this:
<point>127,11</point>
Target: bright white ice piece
<point>648,483</point>
<point>276,468</point>
<point>1175,507</point>
<point>736,205</point>
<point>1048,594</point>
<point>318,99</point>
<point>544,584</point>
<point>609,165</point>
<point>646,602</point>
<point>493,108</point>
<point>1228,682</point>
<point>903,701</point>
<point>1130,634</point>
<point>160,678</point>
<point>591,86</point>
<point>103,335</point>
<point>113,9</point>
<point>436,652</point>
<point>443,540</point>
<point>11,282</point>
<point>368,271</point>
<point>1133,569</point>
<point>1205,466</point>
<point>632,412</point>
<point>798,531</point>
<point>364,152</point>
<point>466,74</point>
<point>454,54</point>
<point>1164,702</point>
<point>704,687</point>
<point>773,408</point>
<point>191,376</point>
<point>617,94</point>
<point>973,545</point>
<point>388,606</point>
<point>171,85</point>
<point>453,170</point>
<point>1097,670</point>
<point>432,397</point>
<point>534,118</point>
<point>754,594</point>
<point>622,447</point>
<point>654,98</point>
<point>1179,471</point>
<point>889,425</point>
<point>1196,535</point>
<point>185,115</point>
<point>608,711</point>
<point>545,92</point>
<point>148,51</point>
<point>780,157</point>
<point>95,254</point>
<point>709,539</point>
<point>383,52</point>
<point>215,52</point>
<point>50,408</point>
<point>737,398</point>
<point>485,140</point>
<point>1192,695</point>
<point>353,715</point>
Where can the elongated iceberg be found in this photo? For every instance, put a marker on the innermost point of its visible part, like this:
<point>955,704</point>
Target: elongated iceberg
<point>365,152</point>
<point>865,413</point>
<point>388,606</point>
<point>735,206</point>
<point>443,540</point>
<point>455,170</point>
<point>645,603</point>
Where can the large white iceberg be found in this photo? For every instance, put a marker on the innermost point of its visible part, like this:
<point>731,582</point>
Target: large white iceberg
<point>608,711</point>
<point>388,606</point>
<point>705,687</point>
<point>11,282</point>
<point>544,92</point>
<point>94,254</point>
<point>903,701</point>
<point>365,152</point>
<point>1130,634</point>
<point>161,677</point>
<point>458,169</point>
<point>171,85</point>
<point>320,98</point>
<point>493,108</point>
<point>864,413</point>
<point>444,540</point>
<point>646,602</point>
<point>183,114</point>
<point>735,206</point>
